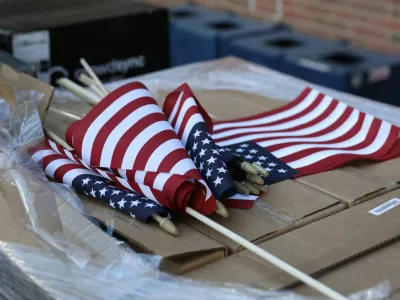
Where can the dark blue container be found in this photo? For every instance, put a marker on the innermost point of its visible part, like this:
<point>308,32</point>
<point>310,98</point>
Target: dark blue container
<point>358,71</point>
<point>207,35</point>
<point>271,49</point>
<point>182,50</point>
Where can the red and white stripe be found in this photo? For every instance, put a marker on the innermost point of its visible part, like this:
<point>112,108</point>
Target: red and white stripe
<point>313,133</point>
<point>127,131</point>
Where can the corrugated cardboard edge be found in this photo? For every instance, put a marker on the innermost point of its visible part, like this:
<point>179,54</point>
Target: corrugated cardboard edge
<point>176,264</point>
<point>313,217</point>
<point>364,198</point>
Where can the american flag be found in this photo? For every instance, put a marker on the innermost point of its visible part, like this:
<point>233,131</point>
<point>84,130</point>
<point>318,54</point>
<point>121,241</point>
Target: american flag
<point>193,126</point>
<point>128,134</point>
<point>87,181</point>
<point>313,133</point>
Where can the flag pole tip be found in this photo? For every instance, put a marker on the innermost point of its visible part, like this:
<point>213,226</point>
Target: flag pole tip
<point>168,226</point>
<point>248,168</point>
<point>221,210</point>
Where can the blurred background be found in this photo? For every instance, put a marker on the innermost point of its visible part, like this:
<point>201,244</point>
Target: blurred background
<point>348,45</point>
<point>374,24</point>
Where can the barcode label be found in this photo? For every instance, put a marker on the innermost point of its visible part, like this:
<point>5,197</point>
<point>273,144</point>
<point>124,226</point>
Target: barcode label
<point>385,207</point>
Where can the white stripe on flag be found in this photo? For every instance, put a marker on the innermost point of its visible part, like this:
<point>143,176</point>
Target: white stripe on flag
<point>352,141</point>
<point>39,155</point>
<point>243,197</point>
<point>69,177</point>
<point>379,141</point>
<point>189,102</point>
<point>160,153</point>
<point>183,166</point>
<point>106,115</point>
<point>160,180</point>
<point>141,139</point>
<point>194,119</point>
<point>175,109</point>
<point>343,128</point>
<point>117,133</point>
<point>275,117</point>
<point>52,167</point>
<point>312,115</point>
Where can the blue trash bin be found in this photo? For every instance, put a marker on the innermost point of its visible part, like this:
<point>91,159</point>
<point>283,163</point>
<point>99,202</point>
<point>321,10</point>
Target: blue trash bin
<point>350,69</point>
<point>209,37</point>
<point>271,49</point>
<point>181,39</point>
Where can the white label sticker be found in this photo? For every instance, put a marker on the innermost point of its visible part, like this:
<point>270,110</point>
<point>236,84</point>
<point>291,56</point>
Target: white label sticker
<point>385,207</point>
<point>33,47</point>
<point>379,74</point>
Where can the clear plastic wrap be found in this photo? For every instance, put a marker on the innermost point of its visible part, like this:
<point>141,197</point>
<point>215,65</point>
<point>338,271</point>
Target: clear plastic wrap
<point>58,254</point>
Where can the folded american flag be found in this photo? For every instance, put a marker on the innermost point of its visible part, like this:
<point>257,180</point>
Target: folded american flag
<point>314,133</point>
<point>193,127</point>
<point>128,133</point>
<point>63,166</point>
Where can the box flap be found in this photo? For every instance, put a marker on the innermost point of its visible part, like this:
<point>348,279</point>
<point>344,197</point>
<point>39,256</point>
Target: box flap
<point>190,248</point>
<point>314,248</point>
<point>21,81</point>
<point>281,209</point>
<point>371,269</point>
<point>350,184</point>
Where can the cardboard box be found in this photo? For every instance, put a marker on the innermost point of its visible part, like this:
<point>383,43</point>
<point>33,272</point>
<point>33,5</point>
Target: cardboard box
<point>120,39</point>
<point>365,272</point>
<point>388,170</point>
<point>181,254</point>
<point>351,185</point>
<point>286,206</point>
<point>314,249</point>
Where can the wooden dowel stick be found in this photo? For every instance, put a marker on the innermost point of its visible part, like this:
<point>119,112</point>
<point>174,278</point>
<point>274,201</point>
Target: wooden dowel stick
<point>79,91</point>
<point>267,256</point>
<point>56,138</point>
<point>86,80</point>
<point>65,113</point>
<point>93,75</point>
<point>166,224</point>
<point>221,209</point>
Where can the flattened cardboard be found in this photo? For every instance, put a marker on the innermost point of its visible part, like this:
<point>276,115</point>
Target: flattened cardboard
<point>350,184</point>
<point>370,270</point>
<point>21,81</point>
<point>189,250</point>
<point>315,248</point>
<point>287,205</point>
